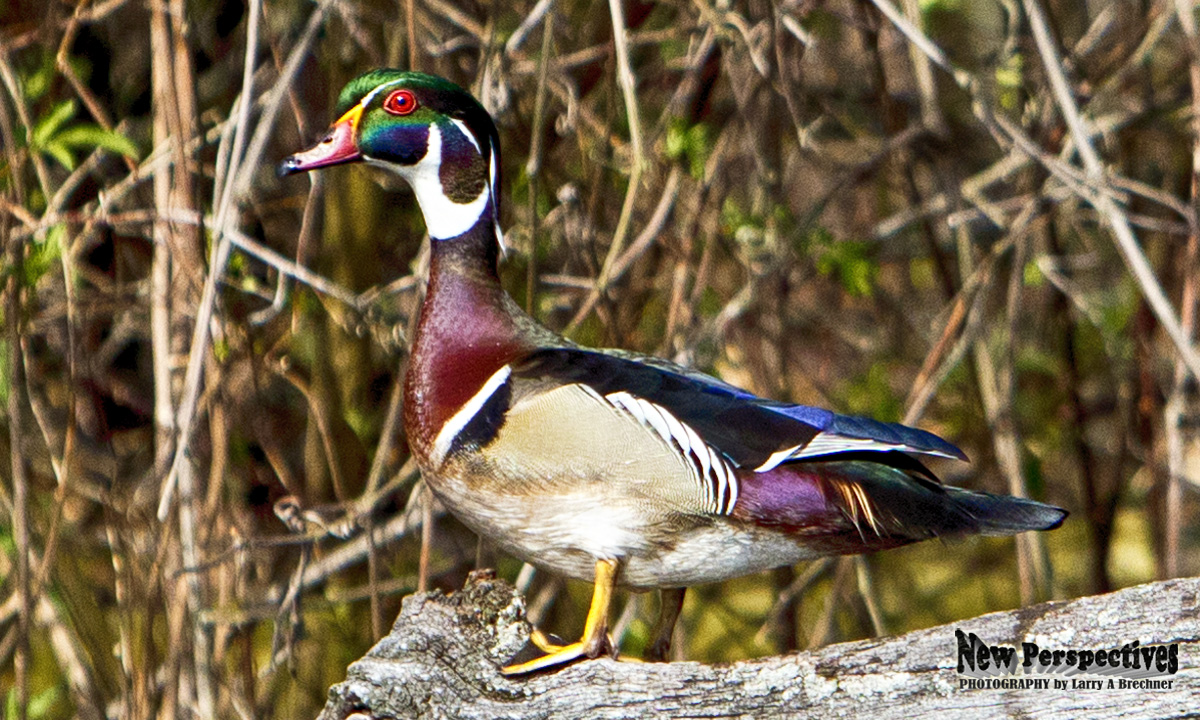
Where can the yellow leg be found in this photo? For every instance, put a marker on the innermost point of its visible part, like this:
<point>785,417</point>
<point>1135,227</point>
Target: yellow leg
<point>595,630</point>
<point>543,641</point>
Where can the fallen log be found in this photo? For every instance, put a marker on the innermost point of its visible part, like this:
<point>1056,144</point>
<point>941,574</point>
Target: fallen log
<point>442,660</point>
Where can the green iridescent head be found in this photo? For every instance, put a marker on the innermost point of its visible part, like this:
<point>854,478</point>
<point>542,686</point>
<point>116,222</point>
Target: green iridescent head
<point>429,131</point>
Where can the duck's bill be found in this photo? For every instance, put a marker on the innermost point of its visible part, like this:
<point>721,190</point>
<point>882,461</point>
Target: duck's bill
<point>337,148</point>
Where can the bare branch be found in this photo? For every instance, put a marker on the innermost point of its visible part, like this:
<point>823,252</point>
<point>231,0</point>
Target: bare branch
<point>442,659</point>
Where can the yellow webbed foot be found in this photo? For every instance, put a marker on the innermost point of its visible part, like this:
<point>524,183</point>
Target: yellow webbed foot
<point>595,638</point>
<point>561,656</point>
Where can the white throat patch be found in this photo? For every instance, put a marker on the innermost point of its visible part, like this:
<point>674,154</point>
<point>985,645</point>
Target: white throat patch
<point>444,218</point>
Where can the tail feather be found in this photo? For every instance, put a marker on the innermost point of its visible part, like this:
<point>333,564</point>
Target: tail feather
<point>1005,515</point>
<point>901,500</point>
<point>885,499</point>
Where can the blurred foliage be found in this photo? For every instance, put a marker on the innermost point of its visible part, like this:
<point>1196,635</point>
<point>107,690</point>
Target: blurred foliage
<point>839,233</point>
<point>51,137</point>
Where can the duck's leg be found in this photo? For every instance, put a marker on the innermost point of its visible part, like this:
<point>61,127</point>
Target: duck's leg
<point>595,630</point>
<point>671,600</point>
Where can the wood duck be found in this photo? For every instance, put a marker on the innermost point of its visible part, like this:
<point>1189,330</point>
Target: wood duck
<point>607,465</point>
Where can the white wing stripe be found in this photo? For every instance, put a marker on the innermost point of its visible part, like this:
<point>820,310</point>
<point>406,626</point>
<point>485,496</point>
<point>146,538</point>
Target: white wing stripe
<point>588,389</point>
<point>733,491</point>
<point>704,456</point>
<point>660,425</point>
<point>678,432</point>
<point>718,484</point>
<point>777,457</point>
<point>631,404</point>
<point>824,443</point>
<point>703,453</point>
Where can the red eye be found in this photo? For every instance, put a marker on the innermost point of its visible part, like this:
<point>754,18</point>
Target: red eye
<point>400,102</point>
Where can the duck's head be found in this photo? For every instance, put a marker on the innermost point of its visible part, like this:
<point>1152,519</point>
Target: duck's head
<point>426,129</point>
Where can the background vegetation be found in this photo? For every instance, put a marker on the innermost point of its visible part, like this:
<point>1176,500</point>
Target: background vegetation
<point>986,226</point>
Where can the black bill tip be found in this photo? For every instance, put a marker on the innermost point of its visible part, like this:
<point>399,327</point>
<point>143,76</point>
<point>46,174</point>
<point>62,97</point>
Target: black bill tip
<point>289,166</point>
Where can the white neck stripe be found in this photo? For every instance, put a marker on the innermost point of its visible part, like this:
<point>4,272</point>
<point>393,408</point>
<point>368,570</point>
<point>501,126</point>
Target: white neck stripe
<point>444,218</point>
<point>462,127</point>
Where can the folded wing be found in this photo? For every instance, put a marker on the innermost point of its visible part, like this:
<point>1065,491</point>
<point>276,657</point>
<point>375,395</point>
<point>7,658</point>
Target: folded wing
<point>752,432</point>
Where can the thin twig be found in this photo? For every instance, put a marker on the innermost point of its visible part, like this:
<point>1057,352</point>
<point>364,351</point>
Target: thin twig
<point>628,84</point>
<point>533,165</point>
<point>1091,188</point>
<point>1173,413</point>
<point>20,480</point>
<point>527,25</point>
<point>216,268</point>
<point>649,234</point>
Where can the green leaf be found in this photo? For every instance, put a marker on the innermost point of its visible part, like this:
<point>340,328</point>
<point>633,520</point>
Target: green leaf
<point>221,350</point>
<point>732,215</point>
<point>90,135</point>
<point>1008,81</point>
<point>849,261</point>
<point>59,152</point>
<point>676,141</point>
<point>699,147</point>
<point>43,255</point>
<point>42,703</point>
<point>47,127</point>
<point>692,143</point>
<point>1032,275</point>
<point>943,5</point>
<point>36,84</point>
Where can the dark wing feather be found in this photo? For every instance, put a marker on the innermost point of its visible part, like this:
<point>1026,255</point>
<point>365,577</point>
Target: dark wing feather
<point>751,431</point>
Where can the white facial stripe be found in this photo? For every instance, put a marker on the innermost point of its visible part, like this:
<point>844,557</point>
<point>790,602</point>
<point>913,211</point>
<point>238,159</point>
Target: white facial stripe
<point>444,218</point>
<point>378,89</point>
<point>492,171</point>
<point>458,421</point>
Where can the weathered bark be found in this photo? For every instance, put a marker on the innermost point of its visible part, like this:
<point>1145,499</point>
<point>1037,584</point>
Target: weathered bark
<point>442,657</point>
